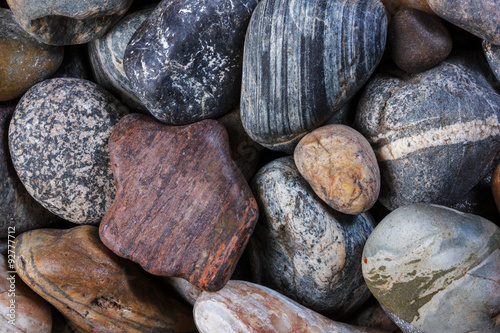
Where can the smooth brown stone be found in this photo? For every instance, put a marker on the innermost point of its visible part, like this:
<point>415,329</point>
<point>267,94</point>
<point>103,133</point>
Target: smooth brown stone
<point>495,186</point>
<point>95,290</point>
<point>341,167</point>
<point>182,207</point>
<point>28,312</point>
<point>247,307</point>
<point>417,41</point>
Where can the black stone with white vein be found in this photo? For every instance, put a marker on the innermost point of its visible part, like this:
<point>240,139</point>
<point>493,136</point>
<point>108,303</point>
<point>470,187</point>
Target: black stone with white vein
<point>435,134</point>
<point>303,60</point>
<point>303,248</point>
<point>184,61</point>
<point>58,141</point>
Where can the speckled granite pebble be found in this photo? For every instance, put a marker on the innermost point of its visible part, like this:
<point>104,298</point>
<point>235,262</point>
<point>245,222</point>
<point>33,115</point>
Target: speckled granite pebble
<point>435,133</point>
<point>184,62</point>
<point>62,22</point>
<point>492,53</point>
<point>29,312</point>
<point>106,56</point>
<point>341,167</point>
<point>294,76</point>
<point>436,268</point>
<point>18,209</point>
<point>23,60</point>
<point>303,248</point>
<point>58,140</point>
<point>417,41</point>
<point>94,289</point>
<point>478,17</point>
<point>247,307</point>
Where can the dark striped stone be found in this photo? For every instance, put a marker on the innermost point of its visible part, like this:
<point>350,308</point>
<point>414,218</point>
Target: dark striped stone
<point>95,290</point>
<point>58,141</point>
<point>492,53</point>
<point>303,248</point>
<point>435,133</point>
<point>61,22</point>
<point>184,62</point>
<point>182,207</point>
<point>303,60</point>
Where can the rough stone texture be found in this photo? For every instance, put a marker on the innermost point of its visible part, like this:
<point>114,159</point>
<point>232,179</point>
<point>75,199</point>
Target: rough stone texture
<point>183,288</point>
<point>58,140</point>
<point>435,134</point>
<point>94,289</point>
<point>62,22</point>
<point>495,186</point>
<point>75,64</point>
<point>492,53</point>
<point>31,313</point>
<point>23,60</point>
<point>184,61</point>
<point>417,41</point>
<point>182,207</point>
<point>303,248</point>
<point>478,17</point>
<point>4,245</point>
<point>106,57</point>
<point>341,167</point>
<point>244,151</point>
<point>18,209</point>
<point>436,268</point>
<point>291,43</point>
<point>246,307</point>
<point>394,5</point>
<point>372,314</point>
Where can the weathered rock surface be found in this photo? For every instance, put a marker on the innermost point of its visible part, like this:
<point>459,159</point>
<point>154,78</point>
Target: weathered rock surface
<point>247,307</point>
<point>184,62</point>
<point>106,57</point>
<point>94,289</point>
<point>435,134</point>
<point>341,167</point>
<point>58,140</point>
<point>436,268</point>
<point>478,17</point>
<point>294,77</point>
<point>417,41</point>
<point>182,207</point>
<point>21,309</point>
<point>61,22</point>
<point>303,248</point>
<point>23,60</point>
<point>492,53</point>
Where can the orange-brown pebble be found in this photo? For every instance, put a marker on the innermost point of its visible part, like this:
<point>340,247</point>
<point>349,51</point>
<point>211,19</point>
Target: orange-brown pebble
<point>341,167</point>
<point>495,186</point>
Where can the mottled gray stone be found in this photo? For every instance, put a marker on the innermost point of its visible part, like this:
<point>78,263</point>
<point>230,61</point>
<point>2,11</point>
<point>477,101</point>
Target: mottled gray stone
<point>303,60</point>
<point>184,61</point>
<point>58,140</point>
<point>478,17</point>
<point>24,61</point>
<point>492,53</point>
<point>436,268</point>
<point>303,248</point>
<point>106,57</point>
<point>62,22</point>
<point>19,212</point>
<point>435,133</point>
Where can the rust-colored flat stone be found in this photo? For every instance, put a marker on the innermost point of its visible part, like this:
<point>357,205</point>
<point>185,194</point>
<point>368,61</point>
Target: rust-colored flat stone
<point>182,207</point>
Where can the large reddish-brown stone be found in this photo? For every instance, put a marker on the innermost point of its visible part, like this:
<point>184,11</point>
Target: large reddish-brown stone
<point>182,207</point>
<point>495,186</point>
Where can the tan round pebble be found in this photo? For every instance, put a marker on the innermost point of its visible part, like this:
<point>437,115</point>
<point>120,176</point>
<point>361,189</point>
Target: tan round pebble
<point>341,167</point>
<point>495,186</point>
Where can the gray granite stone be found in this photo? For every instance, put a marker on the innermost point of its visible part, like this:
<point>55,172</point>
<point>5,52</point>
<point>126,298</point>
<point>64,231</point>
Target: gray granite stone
<point>303,60</point>
<point>436,268</point>
<point>303,248</point>
<point>106,57</point>
<point>184,61</point>
<point>62,22</point>
<point>435,133</point>
<point>58,140</point>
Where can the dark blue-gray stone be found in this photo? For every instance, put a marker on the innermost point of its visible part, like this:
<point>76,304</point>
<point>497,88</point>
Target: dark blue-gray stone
<point>184,61</point>
<point>304,249</point>
<point>492,53</point>
<point>435,133</point>
<point>303,60</point>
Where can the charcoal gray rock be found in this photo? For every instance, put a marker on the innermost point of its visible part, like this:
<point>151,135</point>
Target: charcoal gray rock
<point>492,53</point>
